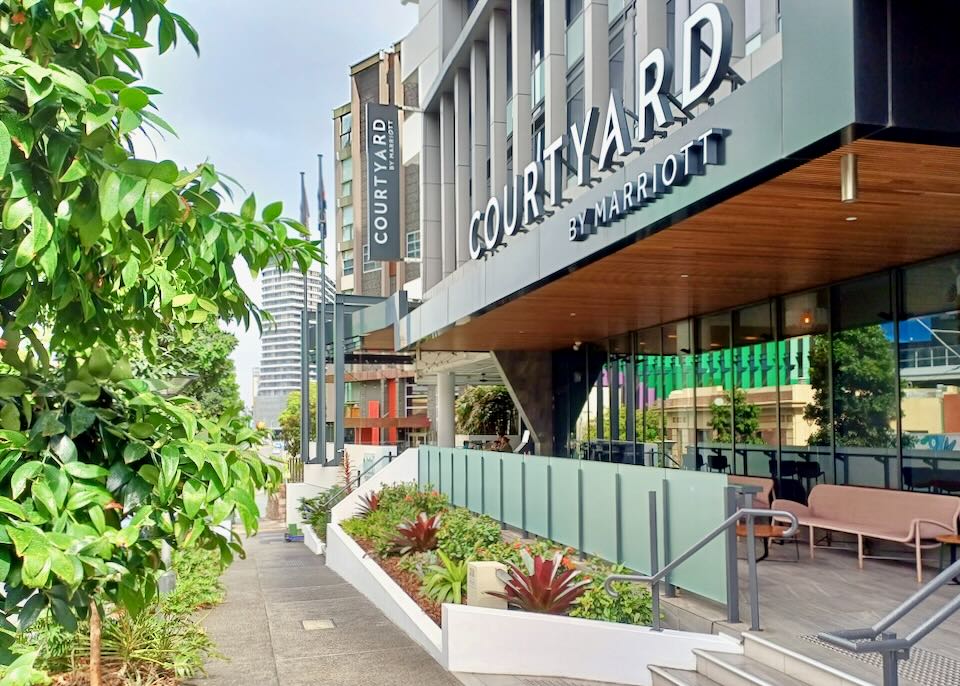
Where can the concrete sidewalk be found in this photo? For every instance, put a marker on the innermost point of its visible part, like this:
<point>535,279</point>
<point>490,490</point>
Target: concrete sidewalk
<point>260,627</point>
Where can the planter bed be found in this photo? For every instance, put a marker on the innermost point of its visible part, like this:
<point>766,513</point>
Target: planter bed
<point>408,581</point>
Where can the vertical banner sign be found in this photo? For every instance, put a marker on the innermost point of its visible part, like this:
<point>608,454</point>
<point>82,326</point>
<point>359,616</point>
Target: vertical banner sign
<point>383,182</point>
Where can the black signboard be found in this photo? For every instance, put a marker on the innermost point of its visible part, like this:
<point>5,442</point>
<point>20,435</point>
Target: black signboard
<point>383,182</point>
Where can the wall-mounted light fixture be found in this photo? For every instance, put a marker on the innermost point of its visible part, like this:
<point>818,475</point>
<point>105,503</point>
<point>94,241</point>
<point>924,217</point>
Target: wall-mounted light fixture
<point>849,181</point>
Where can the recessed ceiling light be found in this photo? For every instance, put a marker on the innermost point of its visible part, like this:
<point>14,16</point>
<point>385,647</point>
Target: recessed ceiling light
<point>684,276</point>
<point>573,314</point>
<point>852,219</point>
<point>523,332</point>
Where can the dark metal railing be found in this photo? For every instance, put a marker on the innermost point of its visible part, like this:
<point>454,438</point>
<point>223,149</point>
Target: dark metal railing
<point>879,639</point>
<point>658,576</point>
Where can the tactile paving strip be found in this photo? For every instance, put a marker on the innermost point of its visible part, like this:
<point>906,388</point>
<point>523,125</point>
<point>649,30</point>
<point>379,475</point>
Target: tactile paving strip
<point>923,667</point>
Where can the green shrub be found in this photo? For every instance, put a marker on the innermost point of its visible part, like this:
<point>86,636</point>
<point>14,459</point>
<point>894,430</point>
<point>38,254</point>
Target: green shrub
<point>315,511</point>
<point>398,503</point>
<point>23,672</point>
<point>446,582</point>
<point>632,605</point>
<point>463,532</point>
<point>145,648</point>
<point>198,582</point>
<point>418,563</point>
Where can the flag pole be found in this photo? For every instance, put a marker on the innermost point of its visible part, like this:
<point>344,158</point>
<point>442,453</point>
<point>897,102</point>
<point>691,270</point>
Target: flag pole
<point>322,322</point>
<point>304,342</point>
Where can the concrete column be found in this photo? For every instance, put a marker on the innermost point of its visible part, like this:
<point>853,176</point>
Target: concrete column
<point>554,70</point>
<point>480,128</point>
<point>520,19</point>
<point>448,195</point>
<point>431,261</point>
<point>738,13</point>
<point>651,23</point>
<point>446,398</point>
<point>528,377</point>
<point>596,60</point>
<point>339,379</point>
<point>630,58</point>
<point>453,16</point>
<point>498,100</point>
<point>461,145</point>
<point>769,21</point>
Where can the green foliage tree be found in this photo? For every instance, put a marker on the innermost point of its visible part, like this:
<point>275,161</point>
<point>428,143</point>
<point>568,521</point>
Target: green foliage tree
<point>289,421</point>
<point>99,249</point>
<point>647,425</point>
<point>485,411</point>
<point>864,393</point>
<point>200,368</point>
<point>746,419</point>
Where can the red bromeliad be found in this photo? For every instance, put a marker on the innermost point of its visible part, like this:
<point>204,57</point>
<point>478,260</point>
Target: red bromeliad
<point>543,586</point>
<point>417,536</point>
<point>368,504</point>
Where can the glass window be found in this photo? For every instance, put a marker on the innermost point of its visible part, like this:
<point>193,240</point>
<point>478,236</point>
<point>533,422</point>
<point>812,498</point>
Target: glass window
<point>649,394</point>
<point>346,169</point>
<point>536,32</point>
<point>413,244</point>
<point>929,347</point>
<point>615,9</point>
<point>347,224</point>
<point>616,62</point>
<point>347,257</point>
<point>575,40</point>
<point>679,394</point>
<point>865,402</point>
<point>574,8</point>
<point>803,380</point>
<point>623,405</point>
<point>368,265</point>
<point>754,397</point>
<point>714,395</point>
<point>346,129</point>
<point>576,109</point>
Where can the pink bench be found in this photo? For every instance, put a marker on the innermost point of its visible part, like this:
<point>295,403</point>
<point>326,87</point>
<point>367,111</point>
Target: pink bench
<point>914,519</point>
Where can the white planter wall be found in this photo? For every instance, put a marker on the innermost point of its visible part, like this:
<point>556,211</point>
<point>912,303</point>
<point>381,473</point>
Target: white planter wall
<point>485,641</point>
<point>402,469</point>
<point>348,560</point>
<point>313,542</point>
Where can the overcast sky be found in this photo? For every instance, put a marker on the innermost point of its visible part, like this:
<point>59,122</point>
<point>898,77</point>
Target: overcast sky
<point>258,101</point>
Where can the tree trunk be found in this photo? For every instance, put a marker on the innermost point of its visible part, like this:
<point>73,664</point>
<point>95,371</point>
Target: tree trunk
<point>95,639</point>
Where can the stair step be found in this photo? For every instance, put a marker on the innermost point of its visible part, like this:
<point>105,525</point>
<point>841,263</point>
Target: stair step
<point>796,664</point>
<point>739,670</point>
<point>678,677</point>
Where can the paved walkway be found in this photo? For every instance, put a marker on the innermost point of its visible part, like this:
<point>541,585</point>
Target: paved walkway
<point>260,627</point>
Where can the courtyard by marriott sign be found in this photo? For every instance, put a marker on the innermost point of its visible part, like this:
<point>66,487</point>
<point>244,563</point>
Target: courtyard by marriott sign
<point>526,197</point>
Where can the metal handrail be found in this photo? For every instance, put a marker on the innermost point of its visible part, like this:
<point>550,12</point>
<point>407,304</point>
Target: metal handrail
<point>878,638</point>
<point>659,575</point>
<point>339,494</point>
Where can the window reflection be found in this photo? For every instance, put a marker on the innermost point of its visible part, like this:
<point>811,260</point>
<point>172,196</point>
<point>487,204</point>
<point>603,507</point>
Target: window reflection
<point>754,399</point>
<point>865,403</point>
<point>715,396</point>
<point>649,398</point>
<point>679,394</point>
<point>929,338</point>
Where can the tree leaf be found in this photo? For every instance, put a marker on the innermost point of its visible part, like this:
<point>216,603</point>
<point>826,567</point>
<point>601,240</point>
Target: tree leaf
<point>4,149</point>
<point>43,495</point>
<point>141,430</point>
<point>109,196</point>
<point>194,497</point>
<point>11,508</point>
<point>25,472</point>
<point>63,447</point>
<point>129,121</point>
<point>81,470</point>
<point>10,417</point>
<point>119,475</point>
<point>110,83</point>
<point>31,610</point>
<point>81,419</point>
<point>272,211</point>
<point>75,172</point>
<point>11,387</point>
<point>133,451</point>
<point>17,211</point>
<point>249,208</point>
<point>134,98</point>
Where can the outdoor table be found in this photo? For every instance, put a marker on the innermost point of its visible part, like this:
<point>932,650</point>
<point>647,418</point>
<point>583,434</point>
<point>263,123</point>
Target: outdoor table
<point>951,541</point>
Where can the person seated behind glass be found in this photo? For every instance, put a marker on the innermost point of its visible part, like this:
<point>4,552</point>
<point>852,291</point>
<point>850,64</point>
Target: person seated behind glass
<point>502,444</point>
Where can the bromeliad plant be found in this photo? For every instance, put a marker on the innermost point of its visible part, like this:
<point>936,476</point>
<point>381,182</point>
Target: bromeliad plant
<point>369,504</point>
<point>541,585</point>
<point>446,582</point>
<point>417,536</point>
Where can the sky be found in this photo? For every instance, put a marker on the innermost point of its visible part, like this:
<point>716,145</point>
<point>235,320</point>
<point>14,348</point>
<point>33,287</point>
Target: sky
<point>259,99</point>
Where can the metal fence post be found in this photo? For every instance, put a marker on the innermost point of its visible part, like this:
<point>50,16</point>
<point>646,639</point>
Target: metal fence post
<point>618,524</point>
<point>891,675</point>
<point>733,581</point>
<point>466,481</point>
<point>669,589</point>
<point>752,569</point>
<point>654,560</point>
<point>503,519</point>
<point>580,552</point>
<point>523,498</point>
<point>549,504</point>
<point>483,484</point>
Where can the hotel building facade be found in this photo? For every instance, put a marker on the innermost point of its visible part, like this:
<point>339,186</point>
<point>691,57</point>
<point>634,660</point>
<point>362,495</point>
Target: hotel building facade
<point>711,235</point>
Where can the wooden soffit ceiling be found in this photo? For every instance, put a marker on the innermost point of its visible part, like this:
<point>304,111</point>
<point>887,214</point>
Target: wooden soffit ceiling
<point>789,234</point>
